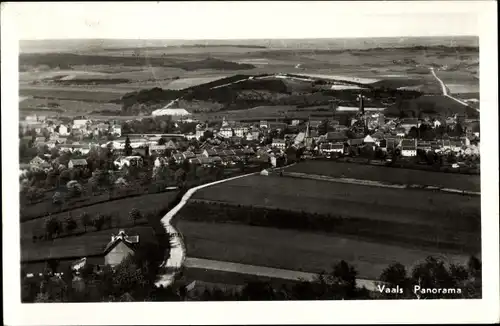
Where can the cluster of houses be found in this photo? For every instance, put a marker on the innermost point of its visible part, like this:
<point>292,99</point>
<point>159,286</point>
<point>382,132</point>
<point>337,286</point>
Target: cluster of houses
<point>234,142</point>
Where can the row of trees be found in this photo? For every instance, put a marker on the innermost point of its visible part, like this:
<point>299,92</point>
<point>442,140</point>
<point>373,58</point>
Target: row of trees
<point>133,280</point>
<point>373,229</point>
<point>55,227</point>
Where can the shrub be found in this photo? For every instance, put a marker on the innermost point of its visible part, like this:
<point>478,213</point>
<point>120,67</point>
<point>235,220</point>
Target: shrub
<point>134,215</point>
<point>98,222</point>
<point>52,226</point>
<point>85,218</point>
<point>71,224</point>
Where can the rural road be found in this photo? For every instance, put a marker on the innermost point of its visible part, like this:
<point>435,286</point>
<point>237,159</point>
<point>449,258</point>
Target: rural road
<point>445,91</point>
<point>262,271</point>
<point>178,251</point>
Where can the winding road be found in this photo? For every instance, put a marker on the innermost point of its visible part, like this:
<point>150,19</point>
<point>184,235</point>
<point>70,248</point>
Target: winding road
<point>177,255</point>
<point>445,90</point>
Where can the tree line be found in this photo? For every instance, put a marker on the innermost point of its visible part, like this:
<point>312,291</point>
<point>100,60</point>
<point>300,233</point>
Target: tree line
<point>459,238</point>
<point>133,280</point>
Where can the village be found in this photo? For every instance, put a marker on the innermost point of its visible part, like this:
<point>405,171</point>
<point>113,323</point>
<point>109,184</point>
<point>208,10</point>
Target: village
<point>48,144</point>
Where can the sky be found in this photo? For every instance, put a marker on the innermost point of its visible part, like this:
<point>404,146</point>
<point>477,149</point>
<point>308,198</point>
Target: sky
<point>243,20</point>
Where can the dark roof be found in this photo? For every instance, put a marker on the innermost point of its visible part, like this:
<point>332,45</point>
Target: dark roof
<point>336,136</point>
<point>409,121</point>
<point>78,161</point>
<point>129,241</point>
<point>211,152</point>
<point>355,141</point>
<point>408,142</point>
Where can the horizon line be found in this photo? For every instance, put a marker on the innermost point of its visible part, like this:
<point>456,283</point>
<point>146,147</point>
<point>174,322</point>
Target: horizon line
<point>244,39</point>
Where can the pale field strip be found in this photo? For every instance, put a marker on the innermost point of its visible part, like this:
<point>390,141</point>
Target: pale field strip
<point>217,265</point>
<point>378,183</point>
<point>361,80</point>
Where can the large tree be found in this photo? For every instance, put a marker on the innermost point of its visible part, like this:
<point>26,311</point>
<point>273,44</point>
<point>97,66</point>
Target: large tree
<point>128,147</point>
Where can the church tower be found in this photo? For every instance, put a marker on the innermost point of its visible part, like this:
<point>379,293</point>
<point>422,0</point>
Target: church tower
<point>361,104</point>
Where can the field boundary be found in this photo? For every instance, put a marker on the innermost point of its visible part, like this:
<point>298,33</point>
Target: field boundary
<point>372,183</point>
<point>286,274</point>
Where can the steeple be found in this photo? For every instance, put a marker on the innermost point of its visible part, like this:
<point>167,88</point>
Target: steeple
<point>361,104</point>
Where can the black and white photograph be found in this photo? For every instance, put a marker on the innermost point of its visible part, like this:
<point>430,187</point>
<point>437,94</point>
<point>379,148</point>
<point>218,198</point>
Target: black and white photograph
<point>271,153</point>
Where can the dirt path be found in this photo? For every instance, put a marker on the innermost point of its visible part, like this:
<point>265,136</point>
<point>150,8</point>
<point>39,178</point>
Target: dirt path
<point>178,251</point>
<point>263,271</point>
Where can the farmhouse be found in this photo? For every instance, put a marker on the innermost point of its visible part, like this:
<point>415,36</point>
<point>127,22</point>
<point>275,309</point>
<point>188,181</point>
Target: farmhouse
<point>77,163</point>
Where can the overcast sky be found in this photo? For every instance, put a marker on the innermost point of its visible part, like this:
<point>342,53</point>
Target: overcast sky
<point>223,20</point>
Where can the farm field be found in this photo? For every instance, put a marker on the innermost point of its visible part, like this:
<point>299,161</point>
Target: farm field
<point>459,81</point>
<point>347,200</point>
<point>94,94</point>
<point>88,244</point>
<point>295,250</point>
<point>387,174</point>
<point>119,210</point>
<point>192,81</point>
<point>69,107</point>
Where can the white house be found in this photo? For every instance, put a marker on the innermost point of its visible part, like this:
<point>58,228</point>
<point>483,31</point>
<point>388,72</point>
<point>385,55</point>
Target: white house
<point>199,133</point>
<point>63,130</point>
<point>369,140</point>
<point>328,148</point>
<point>161,161</point>
<point>116,130</point>
<point>279,143</point>
<point>240,131</point>
<point>77,163</point>
<point>226,132</point>
<point>409,147</point>
<point>128,161</point>
<point>252,135</point>
<point>80,123</point>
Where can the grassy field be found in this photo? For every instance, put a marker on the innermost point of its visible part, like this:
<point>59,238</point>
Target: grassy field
<point>387,174</point>
<point>119,210</point>
<point>384,204</point>
<point>461,81</point>
<point>71,107</point>
<point>88,244</point>
<point>96,94</point>
<point>295,250</point>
